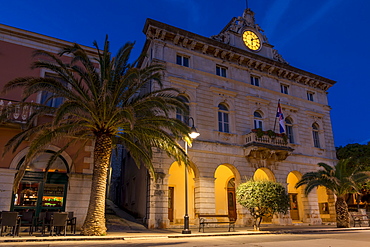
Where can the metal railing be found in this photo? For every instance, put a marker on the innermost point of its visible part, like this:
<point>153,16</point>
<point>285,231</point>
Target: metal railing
<point>14,110</point>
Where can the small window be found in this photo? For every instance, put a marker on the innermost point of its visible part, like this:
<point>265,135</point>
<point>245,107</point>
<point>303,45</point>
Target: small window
<point>315,135</point>
<point>47,97</point>
<point>180,113</point>
<point>310,96</point>
<point>221,71</point>
<point>182,60</point>
<point>289,130</point>
<point>255,81</point>
<point>258,123</point>
<point>284,89</point>
<point>223,118</point>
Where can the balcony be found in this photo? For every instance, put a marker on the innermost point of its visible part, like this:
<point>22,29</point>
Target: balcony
<point>13,111</point>
<point>266,147</point>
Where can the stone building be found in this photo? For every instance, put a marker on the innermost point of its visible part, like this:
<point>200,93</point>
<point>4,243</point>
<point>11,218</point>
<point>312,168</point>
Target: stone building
<point>232,83</point>
<point>68,183</point>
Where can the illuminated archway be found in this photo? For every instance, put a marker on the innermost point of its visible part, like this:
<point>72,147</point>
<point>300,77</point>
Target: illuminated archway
<point>323,200</point>
<point>176,193</point>
<point>263,174</point>
<point>225,191</point>
<point>295,196</point>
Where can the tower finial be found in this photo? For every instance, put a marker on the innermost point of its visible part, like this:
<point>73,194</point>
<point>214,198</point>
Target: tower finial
<point>246,3</point>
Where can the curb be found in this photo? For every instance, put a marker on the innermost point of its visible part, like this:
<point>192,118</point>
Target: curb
<point>146,236</point>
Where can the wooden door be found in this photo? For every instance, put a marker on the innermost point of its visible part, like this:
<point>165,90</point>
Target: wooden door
<point>294,213</point>
<point>231,203</point>
<point>170,203</point>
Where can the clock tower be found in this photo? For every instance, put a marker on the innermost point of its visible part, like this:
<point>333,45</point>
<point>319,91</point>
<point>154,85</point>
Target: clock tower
<point>243,32</point>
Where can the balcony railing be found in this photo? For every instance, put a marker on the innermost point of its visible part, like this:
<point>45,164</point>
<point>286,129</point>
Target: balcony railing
<point>252,138</point>
<point>14,111</point>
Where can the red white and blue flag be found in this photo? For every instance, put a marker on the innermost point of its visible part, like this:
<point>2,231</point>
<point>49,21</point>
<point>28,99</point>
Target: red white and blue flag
<point>280,115</point>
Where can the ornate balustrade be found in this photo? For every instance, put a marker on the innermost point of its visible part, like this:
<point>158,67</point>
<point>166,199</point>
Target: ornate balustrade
<point>253,138</point>
<point>14,111</point>
<point>266,148</point>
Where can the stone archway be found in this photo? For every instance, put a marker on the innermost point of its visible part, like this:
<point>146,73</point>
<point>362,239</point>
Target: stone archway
<point>176,193</point>
<point>264,173</point>
<point>295,196</point>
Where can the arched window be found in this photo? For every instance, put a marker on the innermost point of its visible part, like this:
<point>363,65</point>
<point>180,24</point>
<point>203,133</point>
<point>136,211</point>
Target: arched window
<point>258,123</point>
<point>289,129</point>
<point>180,113</point>
<point>223,118</point>
<point>315,135</point>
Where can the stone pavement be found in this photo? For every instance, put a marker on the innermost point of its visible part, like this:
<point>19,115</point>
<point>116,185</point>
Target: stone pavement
<point>123,226</point>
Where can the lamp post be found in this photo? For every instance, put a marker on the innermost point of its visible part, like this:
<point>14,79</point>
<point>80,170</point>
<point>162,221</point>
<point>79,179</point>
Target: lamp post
<point>193,134</point>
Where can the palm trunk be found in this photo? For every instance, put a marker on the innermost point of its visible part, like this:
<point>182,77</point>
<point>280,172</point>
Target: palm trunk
<point>94,224</point>
<point>341,209</point>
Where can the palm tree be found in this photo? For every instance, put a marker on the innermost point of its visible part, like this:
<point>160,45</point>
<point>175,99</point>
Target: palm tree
<point>341,180</point>
<point>106,106</point>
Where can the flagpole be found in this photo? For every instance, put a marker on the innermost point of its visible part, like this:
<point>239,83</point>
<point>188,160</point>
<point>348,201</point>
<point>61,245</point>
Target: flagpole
<point>277,108</point>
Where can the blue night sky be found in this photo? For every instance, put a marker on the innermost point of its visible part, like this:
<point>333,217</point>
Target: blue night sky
<point>326,37</point>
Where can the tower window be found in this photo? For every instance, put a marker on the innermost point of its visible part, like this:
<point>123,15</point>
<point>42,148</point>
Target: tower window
<point>255,81</point>
<point>221,71</point>
<point>284,89</point>
<point>310,96</point>
<point>182,60</point>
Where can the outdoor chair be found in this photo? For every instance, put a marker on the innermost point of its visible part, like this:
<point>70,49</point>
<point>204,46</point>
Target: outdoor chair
<point>10,219</point>
<point>71,221</point>
<point>27,219</point>
<point>47,221</point>
<point>58,222</point>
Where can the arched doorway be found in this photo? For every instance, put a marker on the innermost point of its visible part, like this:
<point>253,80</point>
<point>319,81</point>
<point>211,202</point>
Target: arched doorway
<point>39,191</point>
<point>264,173</point>
<point>295,196</point>
<point>176,193</point>
<point>225,192</point>
<point>323,200</point>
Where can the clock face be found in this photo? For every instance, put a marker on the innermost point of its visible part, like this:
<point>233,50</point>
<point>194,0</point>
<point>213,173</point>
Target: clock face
<point>251,40</point>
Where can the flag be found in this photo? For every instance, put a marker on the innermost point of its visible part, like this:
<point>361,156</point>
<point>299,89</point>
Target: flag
<point>280,115</point>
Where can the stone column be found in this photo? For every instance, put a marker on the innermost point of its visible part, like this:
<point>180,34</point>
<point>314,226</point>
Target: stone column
<point>311,213</point>
<point>204,196</point>
<point>331,201</point>
<point>78,196</point>
<point>158,203</point>
<point>6,188</point>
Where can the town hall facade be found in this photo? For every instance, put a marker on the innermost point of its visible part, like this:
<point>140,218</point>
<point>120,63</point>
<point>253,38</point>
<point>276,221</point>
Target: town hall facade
<point>232,83</point>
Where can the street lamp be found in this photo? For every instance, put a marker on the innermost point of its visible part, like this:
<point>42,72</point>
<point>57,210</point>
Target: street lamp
<point>193,134</point>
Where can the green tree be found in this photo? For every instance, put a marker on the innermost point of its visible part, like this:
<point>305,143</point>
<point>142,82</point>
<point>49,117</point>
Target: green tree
<point>358,153</point>
<point>341,180</point>
<point>262,198</point>
<point>106,106</point>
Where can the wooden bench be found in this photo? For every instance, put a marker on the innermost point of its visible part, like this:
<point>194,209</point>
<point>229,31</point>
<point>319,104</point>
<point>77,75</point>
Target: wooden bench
<point>203,220</point>
<point>359,218</point>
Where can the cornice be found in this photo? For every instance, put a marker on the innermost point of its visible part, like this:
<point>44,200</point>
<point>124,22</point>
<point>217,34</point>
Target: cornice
<point>37,41</point>
<point>188,40</point>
